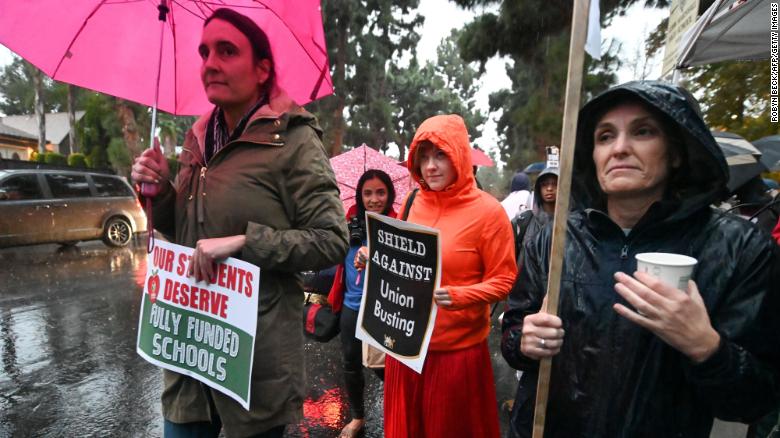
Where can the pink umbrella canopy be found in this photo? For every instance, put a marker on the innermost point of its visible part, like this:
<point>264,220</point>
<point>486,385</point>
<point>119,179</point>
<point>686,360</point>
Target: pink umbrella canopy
<point>113,46</point>
<point>349,166</point>
<point>479,158</point>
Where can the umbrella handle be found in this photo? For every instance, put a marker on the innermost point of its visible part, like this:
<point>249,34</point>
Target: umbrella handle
<point>149,190</point>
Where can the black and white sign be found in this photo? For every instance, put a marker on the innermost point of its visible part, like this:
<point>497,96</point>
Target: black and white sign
<point>398,312</point>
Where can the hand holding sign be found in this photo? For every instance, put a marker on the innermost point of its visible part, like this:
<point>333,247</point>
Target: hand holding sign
<point>442,298</point>
<point>210,251</point>
<point>204,331</point>
<point>360,258</point>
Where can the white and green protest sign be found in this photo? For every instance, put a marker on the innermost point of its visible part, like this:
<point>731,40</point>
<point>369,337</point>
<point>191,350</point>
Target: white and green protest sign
<point>205,330</point>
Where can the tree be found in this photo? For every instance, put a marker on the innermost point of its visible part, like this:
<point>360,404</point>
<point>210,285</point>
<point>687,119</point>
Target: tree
<point>168,134</point>
<point>534,34</point>
<point>40,111</point>
<point>73,140</point>
<point>363,38</point>
<point>18,90</point>
<point>97,128</point>
<point>131,132</point>
<point>22,85</point>
<point>119,156</point>
<point>448,85</point>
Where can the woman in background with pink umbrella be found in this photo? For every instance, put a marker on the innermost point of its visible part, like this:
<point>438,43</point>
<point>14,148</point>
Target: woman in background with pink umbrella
<point>254,183</point>
<point>374,193</point>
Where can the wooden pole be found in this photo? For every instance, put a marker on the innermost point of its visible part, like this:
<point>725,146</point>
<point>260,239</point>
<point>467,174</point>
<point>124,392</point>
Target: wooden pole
<point>568,137</point>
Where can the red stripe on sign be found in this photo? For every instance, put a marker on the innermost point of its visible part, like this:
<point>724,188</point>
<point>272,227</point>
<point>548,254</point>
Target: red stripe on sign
<point>310,317</point>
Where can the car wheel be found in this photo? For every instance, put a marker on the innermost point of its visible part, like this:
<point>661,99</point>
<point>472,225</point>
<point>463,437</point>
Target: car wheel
<point>117,233</point>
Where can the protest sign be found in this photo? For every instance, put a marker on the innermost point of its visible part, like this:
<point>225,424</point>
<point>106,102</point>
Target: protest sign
<point>205,330</point>
<point>397,311</point>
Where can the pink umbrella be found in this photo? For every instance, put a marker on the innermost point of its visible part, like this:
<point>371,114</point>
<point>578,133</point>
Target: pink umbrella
<point>349,166</point>
<point>114,46</point>
<point>147,52</point>
<point>479,158</point>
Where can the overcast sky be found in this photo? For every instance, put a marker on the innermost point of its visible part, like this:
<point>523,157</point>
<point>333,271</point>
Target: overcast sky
<point>441,16</point>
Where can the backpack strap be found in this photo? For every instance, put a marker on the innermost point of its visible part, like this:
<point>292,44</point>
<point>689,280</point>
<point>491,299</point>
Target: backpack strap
<point>520,226</point>
<point>408,204</point>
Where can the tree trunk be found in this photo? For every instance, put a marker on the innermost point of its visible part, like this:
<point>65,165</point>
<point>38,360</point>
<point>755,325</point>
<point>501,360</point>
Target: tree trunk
<point>74,146</point>
<point>338,80</point>
<point>40,110</point>
<point>129,127</point>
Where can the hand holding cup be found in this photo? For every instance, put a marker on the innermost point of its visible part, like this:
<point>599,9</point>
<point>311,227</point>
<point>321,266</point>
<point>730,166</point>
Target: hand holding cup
<point>676,315</point>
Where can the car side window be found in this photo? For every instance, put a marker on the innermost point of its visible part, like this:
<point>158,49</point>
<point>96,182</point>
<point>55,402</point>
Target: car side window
<point>20,187</point>
<point>110,186</point>
<point>64,185</point>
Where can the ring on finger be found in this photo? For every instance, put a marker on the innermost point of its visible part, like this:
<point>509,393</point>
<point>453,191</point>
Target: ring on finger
<point>542,343</point>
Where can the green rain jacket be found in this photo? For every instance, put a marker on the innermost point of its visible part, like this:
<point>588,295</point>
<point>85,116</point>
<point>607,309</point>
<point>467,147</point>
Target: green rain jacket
<point>275,185</point>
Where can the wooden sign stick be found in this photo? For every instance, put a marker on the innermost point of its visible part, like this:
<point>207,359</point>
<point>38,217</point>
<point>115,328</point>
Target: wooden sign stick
<point>568,137</point>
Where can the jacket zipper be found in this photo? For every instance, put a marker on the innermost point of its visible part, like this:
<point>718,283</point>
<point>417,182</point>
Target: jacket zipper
<point>202,182</point>
<point>202,189</point>
<point>624,252</point>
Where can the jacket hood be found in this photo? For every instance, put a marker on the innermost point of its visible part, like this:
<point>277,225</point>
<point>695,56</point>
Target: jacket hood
<point>701,179</point>
<point>538,186</point>
<point>448,133</point>
<point>520,182</point>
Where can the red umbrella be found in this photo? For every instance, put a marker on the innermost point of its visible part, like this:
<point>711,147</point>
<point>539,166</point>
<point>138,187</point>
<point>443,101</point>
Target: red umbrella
<point>349,166</point>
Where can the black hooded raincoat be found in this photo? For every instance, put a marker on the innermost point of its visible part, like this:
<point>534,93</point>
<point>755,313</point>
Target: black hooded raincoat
<point>612,377</point>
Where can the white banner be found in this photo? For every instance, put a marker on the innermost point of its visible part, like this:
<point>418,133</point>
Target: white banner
<point>205,330</point>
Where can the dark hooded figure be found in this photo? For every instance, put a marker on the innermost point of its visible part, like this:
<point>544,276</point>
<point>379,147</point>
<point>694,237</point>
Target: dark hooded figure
<point>634,356</point>
<point>527,224</point>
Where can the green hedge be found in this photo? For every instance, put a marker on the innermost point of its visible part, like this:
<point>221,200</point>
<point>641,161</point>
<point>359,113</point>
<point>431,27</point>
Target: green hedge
<point>77,160</point>
<point>173,165</point>
<point>55,158</point>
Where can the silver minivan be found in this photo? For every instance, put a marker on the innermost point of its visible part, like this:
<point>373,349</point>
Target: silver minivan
<point>64,206</point>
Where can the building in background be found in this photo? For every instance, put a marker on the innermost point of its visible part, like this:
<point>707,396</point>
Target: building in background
<point>57,129</point>
<point>16,144</point>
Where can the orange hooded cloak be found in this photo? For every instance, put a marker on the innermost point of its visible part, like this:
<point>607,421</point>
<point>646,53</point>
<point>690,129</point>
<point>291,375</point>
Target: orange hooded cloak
<point>478,263</point>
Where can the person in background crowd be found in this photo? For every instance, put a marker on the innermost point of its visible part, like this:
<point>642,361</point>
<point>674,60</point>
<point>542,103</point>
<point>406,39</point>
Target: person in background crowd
<point>634,356</point>
<point>757,205</point>
<point>254,183</point>
<point>518,199</point>
<point>375,193</point>
<point>455,394</point>
<point>527,224</point>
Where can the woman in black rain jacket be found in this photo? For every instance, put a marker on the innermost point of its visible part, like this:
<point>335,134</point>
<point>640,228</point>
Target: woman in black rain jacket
<point>635,357</point>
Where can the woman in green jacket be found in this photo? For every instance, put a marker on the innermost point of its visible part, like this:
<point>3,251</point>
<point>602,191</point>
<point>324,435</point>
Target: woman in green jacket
<point>254,183</point>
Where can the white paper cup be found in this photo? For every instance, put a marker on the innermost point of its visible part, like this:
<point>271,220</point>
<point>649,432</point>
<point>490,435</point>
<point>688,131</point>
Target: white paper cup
<point>673,269</point>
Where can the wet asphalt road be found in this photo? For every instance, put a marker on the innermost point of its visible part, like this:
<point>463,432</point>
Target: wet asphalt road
<point>68,327</point>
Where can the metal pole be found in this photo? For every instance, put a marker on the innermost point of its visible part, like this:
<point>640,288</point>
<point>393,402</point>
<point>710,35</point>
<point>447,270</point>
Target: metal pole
<point>163,8</point>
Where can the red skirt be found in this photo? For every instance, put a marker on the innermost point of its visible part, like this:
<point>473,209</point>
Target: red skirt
<point>455,396</point>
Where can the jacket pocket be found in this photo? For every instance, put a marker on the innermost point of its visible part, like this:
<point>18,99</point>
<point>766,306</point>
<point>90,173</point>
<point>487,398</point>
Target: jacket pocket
<point>464,261</point>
